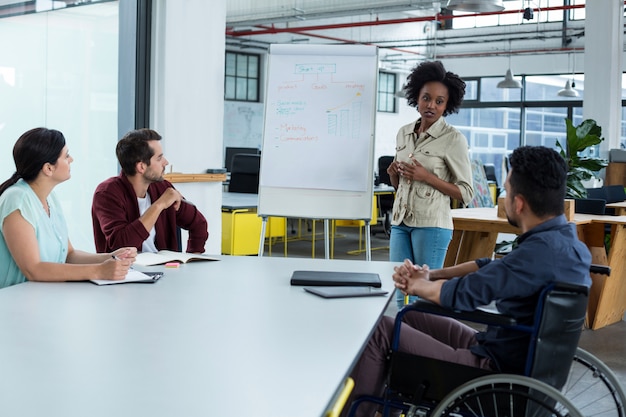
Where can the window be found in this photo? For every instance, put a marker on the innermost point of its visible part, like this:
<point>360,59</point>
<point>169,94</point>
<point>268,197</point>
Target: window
<point>471,89</point>
<point>491,132</point>
<point>387,92</point>
<point>241,77</point>
<point>495,121</point>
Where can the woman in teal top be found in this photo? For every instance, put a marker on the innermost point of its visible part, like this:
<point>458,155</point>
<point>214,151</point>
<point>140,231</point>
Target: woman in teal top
<point>34,243</point>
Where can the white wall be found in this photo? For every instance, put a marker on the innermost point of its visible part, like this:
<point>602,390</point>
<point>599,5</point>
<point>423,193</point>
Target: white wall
<point>188,97</point>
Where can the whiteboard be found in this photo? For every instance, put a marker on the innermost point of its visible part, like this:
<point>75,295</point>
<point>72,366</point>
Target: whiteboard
<point>318,136</point>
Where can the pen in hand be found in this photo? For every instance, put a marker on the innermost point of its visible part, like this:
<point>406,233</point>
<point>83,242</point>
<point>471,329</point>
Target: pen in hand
<point>117,258</point>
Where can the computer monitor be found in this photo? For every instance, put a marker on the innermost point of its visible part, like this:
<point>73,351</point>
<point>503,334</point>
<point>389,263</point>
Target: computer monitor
<point>230,151</point>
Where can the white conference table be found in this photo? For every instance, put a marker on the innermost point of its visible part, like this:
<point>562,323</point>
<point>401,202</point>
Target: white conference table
<point>222,338</point>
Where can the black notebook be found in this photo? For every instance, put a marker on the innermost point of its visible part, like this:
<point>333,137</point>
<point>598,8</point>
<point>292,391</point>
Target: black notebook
<point>329,278</point>
<point>344,292</point>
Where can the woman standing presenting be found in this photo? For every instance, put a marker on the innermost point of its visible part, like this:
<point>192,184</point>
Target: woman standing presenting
<point>430,167</point>
<point>34,243</point>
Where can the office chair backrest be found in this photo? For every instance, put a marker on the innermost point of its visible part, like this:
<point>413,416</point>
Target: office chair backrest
<point>490,173</point>
<point>589,205</point>
<point>561,315</point>
<point>231,151</point>
<point>598,192</point>
<point>610,193</point>
<point>383,164</point>
<point>614,193</point>
<point>244,177</point>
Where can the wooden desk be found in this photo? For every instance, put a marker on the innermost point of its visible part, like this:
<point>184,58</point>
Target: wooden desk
<point>620,207</point>
<point>177,177</point>
<point>208,339</point>
<point>476,231</point>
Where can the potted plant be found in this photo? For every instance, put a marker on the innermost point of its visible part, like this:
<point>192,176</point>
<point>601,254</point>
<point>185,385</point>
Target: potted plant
<point>581,166</point>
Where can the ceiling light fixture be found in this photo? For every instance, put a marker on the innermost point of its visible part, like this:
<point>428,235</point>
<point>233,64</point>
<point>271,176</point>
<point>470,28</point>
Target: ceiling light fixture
<point>475,5</point>
<point>509,81</point>
<point>568,90</point>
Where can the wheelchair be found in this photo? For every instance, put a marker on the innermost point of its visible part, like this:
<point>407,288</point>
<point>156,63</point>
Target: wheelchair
<point>559,380</point>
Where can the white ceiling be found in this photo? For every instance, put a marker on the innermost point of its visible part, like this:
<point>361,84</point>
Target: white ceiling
<point>404,31</point>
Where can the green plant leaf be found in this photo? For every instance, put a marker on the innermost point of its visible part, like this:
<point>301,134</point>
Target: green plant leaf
<point>580,168</point>
<point>588,127</point>
<point>592,164</point>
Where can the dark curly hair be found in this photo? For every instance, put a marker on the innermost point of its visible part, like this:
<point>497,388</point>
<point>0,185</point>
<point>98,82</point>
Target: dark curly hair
<point>540,175</point>
<point>434,71</point>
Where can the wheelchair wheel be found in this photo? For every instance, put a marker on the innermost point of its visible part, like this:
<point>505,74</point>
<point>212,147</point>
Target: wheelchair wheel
<point>593,388</point>
<point>505,395</point>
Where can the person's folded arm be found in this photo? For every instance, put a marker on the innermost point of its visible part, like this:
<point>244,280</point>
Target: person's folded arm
<point>188,217</point>
<point>118,231</point>
<point>454,271</point>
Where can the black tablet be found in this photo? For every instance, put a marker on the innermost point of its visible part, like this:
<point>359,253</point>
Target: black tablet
<point>345,291</point>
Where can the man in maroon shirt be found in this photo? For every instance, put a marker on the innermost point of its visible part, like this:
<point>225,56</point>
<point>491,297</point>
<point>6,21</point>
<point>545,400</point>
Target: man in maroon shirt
<point>139,207</point>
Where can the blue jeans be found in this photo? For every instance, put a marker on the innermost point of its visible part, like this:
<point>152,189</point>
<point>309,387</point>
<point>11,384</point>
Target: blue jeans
<point>421,245</point>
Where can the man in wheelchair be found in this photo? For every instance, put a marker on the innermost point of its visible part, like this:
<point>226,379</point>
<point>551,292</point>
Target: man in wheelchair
<point>548,250</point>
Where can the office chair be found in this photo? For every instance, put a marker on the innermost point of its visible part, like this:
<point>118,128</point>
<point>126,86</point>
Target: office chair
<point>492,181</point>
<point>385,201</point>
<point>597,192</point>
<point>610,193</point>
<point>383,164</point>
<point>244,175</point>
<point>231,151</point>
<point>490,173</point>
<point>589,205</point>
<point>614,194</point>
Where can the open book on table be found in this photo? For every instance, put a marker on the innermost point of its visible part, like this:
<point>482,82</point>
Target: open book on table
<point>132,276</point>
<point>165,256</point>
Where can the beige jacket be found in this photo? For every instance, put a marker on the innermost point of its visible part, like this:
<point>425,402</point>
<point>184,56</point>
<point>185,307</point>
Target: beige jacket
<point>442,150</point>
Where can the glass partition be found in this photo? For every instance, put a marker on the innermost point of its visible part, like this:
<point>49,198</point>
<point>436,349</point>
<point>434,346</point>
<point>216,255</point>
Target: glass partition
<point>492,133</point>
<point>58,69</point>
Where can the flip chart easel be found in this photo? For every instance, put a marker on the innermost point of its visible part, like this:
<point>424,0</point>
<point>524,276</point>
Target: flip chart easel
<point>318,137</point>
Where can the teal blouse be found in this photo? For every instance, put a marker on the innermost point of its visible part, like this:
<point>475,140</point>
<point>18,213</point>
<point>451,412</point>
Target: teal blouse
<point>51,232</point>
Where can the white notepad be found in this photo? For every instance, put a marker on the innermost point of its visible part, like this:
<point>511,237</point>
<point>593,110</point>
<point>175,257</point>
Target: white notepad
<point>132,276</point>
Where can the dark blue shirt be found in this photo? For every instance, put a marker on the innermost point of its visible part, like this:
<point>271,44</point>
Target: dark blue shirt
<point>550,252</point>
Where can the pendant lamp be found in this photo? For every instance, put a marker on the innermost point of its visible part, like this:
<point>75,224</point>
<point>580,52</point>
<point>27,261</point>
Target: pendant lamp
<point>568,90</point>
<point>475,5</point>
<point>509,81</point>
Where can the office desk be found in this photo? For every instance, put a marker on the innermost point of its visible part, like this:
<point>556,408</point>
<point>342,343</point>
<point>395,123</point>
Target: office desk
<point>183,346</point>
<point>620,207</point>
<point>476,231</point>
